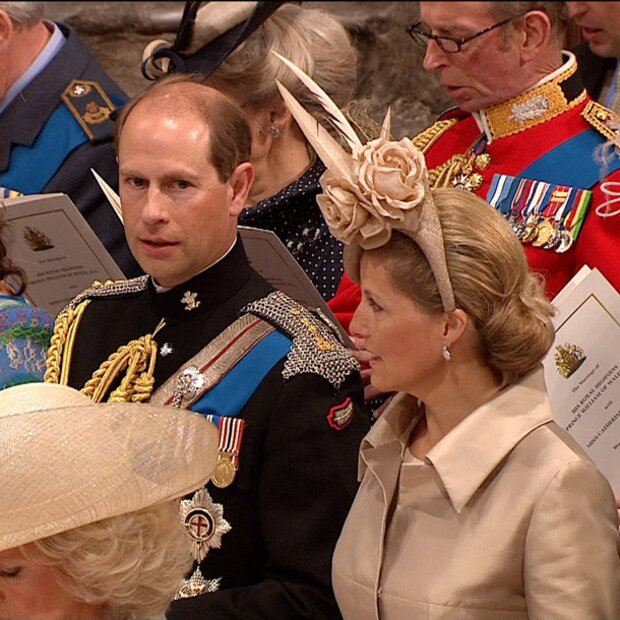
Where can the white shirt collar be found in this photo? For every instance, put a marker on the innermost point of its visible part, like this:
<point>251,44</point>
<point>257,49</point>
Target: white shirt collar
<point>163,289</point>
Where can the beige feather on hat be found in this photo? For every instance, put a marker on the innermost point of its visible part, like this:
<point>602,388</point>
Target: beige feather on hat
<point>372,189</point>
<point>66,461</point>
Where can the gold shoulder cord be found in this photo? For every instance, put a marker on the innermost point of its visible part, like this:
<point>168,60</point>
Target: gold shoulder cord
<point>60,351</point>
<point>138,357</point>
<point>442,175</point>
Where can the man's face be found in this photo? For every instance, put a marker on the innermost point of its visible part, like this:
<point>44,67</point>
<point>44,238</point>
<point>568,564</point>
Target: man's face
<point>486,70</point>
<point>600,25</point>
<point>179,216</point>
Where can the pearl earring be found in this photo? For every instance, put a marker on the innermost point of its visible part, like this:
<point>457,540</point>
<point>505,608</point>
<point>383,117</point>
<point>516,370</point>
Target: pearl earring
<point>445,352</point>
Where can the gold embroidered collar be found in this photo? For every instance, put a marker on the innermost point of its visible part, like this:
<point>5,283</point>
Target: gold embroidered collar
<point>538,105</point>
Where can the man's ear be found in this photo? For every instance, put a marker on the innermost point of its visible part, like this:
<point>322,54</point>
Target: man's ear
<point>6,30</point>
<point>535,33</point>
<point>240,183</point>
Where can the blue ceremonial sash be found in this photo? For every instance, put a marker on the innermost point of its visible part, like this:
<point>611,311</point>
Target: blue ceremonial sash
<point>566,165</point>
<point>229,396</point>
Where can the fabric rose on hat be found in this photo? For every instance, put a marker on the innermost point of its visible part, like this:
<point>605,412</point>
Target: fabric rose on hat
<point>389,183</point>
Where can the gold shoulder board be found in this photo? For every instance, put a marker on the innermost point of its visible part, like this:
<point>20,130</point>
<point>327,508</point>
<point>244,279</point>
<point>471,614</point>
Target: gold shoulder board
<point>90,106</point>
<point>604,120</point>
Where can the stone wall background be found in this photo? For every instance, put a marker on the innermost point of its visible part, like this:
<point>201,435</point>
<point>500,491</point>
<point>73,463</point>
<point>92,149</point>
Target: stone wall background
<point>391,72</point>
<point>390,75</point>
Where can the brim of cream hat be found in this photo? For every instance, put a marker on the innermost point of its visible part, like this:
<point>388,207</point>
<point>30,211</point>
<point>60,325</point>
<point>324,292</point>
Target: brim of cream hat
<point>66,461</point>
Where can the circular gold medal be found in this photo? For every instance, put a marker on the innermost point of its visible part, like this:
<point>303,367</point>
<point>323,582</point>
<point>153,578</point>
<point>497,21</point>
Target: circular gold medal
<point>545,232</point>
<point>529,231</point>
<point>224,473</point>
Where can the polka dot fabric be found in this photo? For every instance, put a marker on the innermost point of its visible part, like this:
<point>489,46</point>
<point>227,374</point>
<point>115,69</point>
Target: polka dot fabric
<point>294,216</point>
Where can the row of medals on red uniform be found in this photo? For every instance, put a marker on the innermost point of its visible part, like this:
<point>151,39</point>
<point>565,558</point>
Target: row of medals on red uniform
<point>535,229</point>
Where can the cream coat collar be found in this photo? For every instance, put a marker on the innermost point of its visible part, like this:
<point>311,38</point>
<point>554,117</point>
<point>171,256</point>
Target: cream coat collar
<point>466,456</point>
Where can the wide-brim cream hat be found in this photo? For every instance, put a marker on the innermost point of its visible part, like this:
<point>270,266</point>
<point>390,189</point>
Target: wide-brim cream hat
<point>66,461</point>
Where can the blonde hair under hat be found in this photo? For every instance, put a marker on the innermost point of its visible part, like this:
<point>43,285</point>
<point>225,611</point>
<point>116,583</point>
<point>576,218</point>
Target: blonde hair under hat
<point>66,461</point>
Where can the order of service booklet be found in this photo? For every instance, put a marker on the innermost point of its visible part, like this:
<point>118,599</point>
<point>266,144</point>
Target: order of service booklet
<point>582,369</point>
<point>50,239</point>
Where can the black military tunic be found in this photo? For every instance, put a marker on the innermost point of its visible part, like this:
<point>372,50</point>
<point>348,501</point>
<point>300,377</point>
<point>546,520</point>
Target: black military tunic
<point>297,470</point>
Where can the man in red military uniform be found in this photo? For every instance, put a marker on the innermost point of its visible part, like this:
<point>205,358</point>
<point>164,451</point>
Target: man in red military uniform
<point>525,135</point>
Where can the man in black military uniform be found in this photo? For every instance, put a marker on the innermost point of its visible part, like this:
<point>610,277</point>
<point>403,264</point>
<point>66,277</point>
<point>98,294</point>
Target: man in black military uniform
<point>55,125</point>
<point>203,330</point>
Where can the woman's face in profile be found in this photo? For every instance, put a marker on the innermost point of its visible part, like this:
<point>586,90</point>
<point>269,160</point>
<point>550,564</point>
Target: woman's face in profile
<point>29,590</point>
<point>404,341</point>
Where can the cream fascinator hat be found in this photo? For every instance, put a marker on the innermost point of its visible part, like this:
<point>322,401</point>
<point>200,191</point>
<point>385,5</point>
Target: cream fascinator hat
<point>372,190</point>
<point>207,34</point>
<point>66,462</point>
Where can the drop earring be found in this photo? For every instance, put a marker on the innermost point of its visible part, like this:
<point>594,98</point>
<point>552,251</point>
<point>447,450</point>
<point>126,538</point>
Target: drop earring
<point>445,352</point>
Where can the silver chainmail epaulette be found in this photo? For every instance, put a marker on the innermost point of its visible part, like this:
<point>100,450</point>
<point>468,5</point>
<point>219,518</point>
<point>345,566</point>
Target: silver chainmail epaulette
<point>315,347</point>
<point>111,288</point>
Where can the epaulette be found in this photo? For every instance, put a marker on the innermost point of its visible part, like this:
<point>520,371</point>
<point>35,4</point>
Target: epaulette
<point>315,349</point>
<point>425,139</point>
<point>68,320</point>
<point>91,107</point>
<point>604,120</point>
<point>110,288</point>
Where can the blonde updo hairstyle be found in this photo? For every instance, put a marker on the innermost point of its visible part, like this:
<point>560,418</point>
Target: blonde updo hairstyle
<point>491,280</point>
<point>312,39</point>
<point>132,564</point>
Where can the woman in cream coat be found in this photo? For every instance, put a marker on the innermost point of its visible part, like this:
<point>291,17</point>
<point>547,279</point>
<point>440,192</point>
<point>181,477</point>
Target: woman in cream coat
<point>474,504</point>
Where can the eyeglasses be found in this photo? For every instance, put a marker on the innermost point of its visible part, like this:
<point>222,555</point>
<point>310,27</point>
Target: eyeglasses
<point>451,45</point>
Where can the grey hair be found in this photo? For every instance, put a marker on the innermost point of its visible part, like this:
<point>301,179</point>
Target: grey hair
<point>24,14</point>
<point>315,40</point>
<point>555,11</point>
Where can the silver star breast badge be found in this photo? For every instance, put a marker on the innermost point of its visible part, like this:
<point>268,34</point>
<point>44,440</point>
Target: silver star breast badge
<point>204,522</point>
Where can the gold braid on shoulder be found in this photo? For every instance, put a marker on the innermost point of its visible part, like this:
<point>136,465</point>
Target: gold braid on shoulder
<point>441,176</point>
<point>61,345</point>
<point>138,358</point>
<point>425,139</point>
